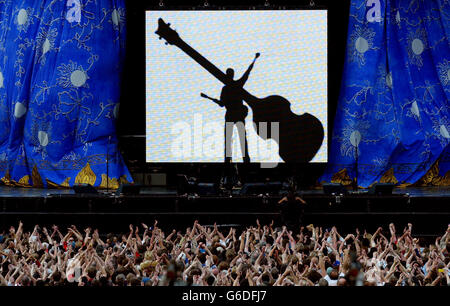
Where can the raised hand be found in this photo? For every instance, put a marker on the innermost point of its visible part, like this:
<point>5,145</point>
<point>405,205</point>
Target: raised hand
<point>392,228</point>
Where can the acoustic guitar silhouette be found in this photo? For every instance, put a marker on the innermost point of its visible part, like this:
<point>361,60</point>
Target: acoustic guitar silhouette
<point>300,136</point>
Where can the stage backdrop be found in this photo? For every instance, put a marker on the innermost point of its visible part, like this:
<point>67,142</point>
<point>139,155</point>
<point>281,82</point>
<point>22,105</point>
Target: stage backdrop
<point>60,67</point>
<point>392,123</point>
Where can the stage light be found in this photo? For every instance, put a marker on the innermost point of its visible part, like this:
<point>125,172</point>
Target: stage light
<point>261,188</point>
<point>333,189</point>
<point>84,188</point>
<point>381,189</point>
<point>128,189</point>
<point>207,189</point>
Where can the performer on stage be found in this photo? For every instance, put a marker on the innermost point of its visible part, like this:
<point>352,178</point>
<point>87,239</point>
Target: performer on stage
<point>231,98</point>
<point>292,209</point>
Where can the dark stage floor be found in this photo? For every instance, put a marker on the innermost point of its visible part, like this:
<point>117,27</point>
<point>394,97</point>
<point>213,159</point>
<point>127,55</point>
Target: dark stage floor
<point>427,208</point>
<point>166,191</point>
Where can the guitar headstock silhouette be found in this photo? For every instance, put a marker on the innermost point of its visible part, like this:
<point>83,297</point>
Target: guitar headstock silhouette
<point>299,136</point>
<point>164,31</point>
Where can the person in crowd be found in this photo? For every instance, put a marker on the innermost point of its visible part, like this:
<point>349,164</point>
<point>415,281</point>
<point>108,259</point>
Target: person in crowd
<point>292,209</point>
<point>209,256</point>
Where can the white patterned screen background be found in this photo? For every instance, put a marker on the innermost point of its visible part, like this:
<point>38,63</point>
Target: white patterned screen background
<point>183,127</point>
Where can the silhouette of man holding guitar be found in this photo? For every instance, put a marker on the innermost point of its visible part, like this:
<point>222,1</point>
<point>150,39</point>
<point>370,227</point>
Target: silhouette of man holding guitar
<point>299,137</point>
<point>236,111</point>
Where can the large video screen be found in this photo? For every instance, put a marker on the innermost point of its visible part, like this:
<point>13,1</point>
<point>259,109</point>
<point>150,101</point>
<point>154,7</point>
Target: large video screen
<point>249,85</point>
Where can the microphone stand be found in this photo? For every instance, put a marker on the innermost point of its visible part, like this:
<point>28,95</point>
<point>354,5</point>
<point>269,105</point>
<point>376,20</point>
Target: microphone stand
<point>355,181</point>
<point>107,165</point>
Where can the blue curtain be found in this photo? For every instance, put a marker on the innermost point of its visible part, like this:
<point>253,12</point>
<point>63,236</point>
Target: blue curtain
<point>392,122</point>
<point>60,68</point>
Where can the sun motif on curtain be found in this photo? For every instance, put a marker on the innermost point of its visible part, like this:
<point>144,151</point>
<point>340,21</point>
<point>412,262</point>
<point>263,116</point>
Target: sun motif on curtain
<point>361,41</point>
<point>444,73</point>
<point>417,43</point>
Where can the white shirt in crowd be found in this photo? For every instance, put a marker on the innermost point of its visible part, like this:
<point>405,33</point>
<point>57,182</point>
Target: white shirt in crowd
<point>333,282</point>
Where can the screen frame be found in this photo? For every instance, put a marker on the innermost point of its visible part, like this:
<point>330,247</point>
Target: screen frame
<point>330,115</point>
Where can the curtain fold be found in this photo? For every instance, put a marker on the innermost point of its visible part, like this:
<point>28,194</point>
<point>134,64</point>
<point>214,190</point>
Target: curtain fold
<point>60,70</point>
<point>392,123</point>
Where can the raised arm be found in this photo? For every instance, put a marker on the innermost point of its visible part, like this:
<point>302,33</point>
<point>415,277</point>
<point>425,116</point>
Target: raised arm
<point>247,241</point>
<point>19,231</point>
<point>323,270</point>
<point>245,76</point>
<point>300,199</point>
<point>96,237</point>
<point>56,231</point>
<point>283,200</point>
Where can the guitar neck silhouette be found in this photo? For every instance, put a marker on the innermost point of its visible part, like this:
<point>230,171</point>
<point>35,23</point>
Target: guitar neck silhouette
<point>299,137</point>
<point>210,67</point>
<point>200,59</point>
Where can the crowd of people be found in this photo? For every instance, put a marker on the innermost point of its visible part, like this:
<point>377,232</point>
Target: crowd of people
<point>217,256</point>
